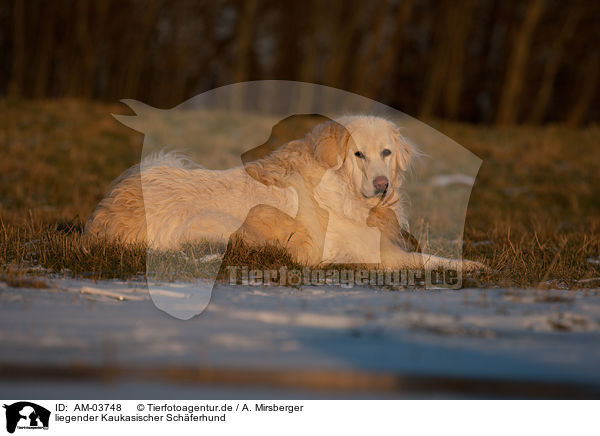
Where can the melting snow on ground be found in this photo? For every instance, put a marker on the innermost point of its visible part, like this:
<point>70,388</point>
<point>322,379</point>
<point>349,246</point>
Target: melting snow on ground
<point>506,333</point>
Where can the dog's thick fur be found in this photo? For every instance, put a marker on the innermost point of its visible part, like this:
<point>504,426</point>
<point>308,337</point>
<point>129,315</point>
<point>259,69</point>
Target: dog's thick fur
<point>315,195</point>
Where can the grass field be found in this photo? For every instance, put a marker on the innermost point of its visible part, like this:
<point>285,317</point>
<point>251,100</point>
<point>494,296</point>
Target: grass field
<point>534,213</point>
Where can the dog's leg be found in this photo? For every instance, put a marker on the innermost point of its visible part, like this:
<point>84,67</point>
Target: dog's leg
<point>396,258</point>
<point>268,225</point>
<point>399,249</point>
<point>265,224</point>
<point>303,236</point>
<point>311,221</point>
<point>392,233</point>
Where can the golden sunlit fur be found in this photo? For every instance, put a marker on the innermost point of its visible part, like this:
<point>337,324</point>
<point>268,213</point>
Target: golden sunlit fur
<point>315,196</point>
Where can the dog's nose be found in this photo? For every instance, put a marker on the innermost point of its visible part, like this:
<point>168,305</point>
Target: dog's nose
<point>381,183</point>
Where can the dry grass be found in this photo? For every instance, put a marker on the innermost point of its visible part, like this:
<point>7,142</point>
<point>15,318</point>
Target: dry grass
<point>534,214</point>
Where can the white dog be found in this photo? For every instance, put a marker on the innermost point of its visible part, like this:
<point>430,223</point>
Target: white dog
<point>319,196</point>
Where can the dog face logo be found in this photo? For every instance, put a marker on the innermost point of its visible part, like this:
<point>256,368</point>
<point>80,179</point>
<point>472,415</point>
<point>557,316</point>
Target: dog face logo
<point>26,415</point>
<point>334,183</point>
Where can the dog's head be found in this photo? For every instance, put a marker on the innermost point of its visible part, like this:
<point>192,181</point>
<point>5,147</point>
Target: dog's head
<point>370,151</point>
<point>377,156</point>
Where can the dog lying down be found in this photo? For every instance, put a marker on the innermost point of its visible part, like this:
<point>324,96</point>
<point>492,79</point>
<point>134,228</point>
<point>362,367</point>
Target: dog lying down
<point>333,196</point>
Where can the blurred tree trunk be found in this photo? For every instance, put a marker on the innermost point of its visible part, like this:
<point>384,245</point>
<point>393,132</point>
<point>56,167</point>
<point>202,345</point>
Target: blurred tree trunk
<point>44,52</point>
<point>208,66</point>
<point>244,40</point>
<point>289,33</point>
<point>137,53</point>
<point>92,50</point>
<point>342,51</point>
<point>484,65</point>
<point>18,59</point>
<point>461,16</point>
<point>362,78</point>
<point>243,49</point>
<point>542,99</point>
<point>381,70</point>
<point>80,47</point>
<point>588,88</point>
<point>180,57</point>
<point>308,66</point>
<point>508,109</point>
<point>438,69</point>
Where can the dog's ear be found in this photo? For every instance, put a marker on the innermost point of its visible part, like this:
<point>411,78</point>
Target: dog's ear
<point>406,155</point>
<point>277,167</point>
<point>406,152</point>
<point>330,144</point>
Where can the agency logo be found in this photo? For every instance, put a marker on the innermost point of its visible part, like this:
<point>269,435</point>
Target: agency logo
<point>26,415</point>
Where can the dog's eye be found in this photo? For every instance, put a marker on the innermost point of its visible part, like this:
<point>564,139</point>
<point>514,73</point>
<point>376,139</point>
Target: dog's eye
<point>359,155</point>
<point>386,152</point>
